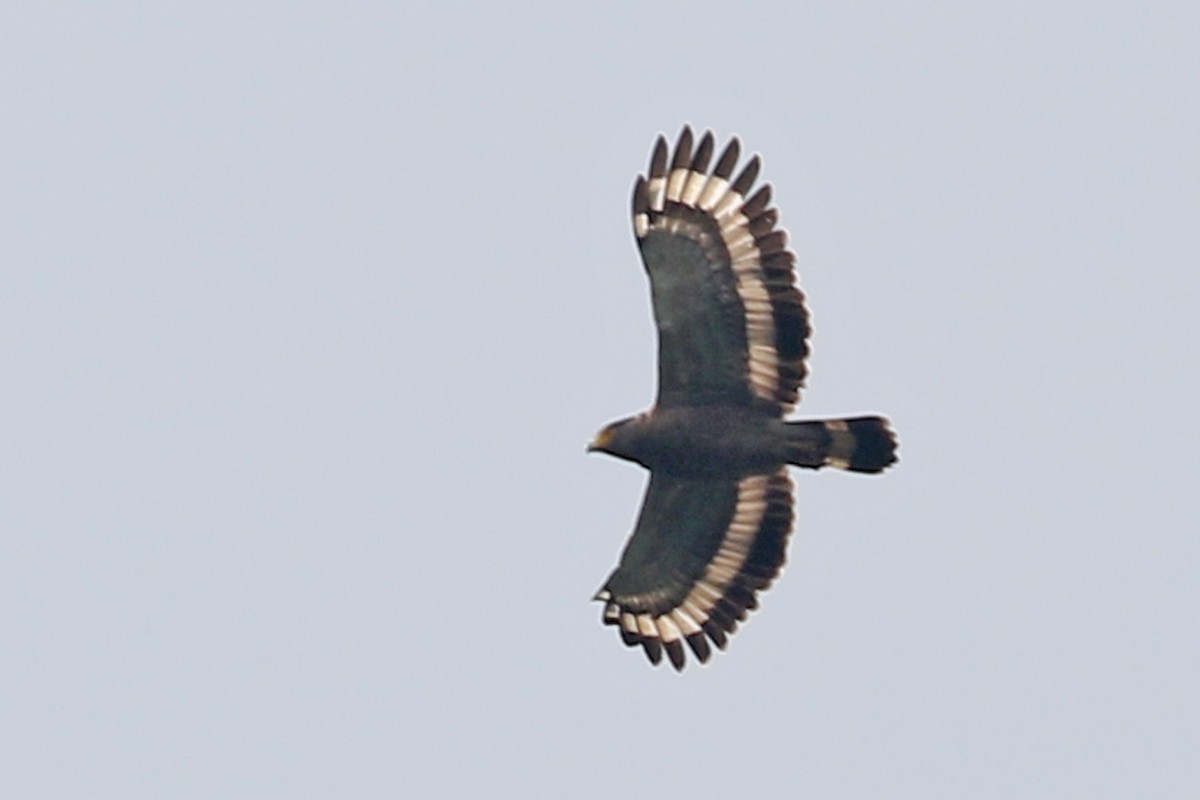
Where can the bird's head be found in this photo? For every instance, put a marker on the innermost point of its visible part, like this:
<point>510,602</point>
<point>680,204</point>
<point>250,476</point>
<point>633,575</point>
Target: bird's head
<point>604,441</point>
<point>617,438</point>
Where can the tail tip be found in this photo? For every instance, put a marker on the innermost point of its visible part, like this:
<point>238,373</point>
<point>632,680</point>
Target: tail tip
<point>871,444</point>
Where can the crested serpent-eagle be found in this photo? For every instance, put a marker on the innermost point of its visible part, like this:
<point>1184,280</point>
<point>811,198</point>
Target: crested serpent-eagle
<point>732,342</point>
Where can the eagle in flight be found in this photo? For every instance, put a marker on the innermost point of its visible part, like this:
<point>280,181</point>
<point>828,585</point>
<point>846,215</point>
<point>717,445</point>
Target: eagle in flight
<point>732,341</point>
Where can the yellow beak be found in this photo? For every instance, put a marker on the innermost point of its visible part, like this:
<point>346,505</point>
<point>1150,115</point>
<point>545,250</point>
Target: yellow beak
<point>602,440</point>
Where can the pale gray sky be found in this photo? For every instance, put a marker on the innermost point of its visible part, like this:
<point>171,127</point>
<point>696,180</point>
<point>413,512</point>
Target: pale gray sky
<point>308,310</point>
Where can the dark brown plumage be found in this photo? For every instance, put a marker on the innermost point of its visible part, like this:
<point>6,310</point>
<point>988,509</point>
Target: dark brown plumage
<point>732,341</point>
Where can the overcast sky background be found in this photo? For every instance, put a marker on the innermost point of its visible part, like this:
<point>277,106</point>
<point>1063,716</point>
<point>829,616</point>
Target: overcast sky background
<point>308,310</point>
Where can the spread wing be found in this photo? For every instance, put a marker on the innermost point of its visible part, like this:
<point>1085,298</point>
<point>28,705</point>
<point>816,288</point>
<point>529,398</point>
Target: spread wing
<point>701,551</point>
<point>732,326</point>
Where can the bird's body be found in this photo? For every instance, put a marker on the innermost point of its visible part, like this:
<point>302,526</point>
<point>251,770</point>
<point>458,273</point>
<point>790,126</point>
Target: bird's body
<point>733,441</point>
<point>732,331</point>
<point>702,441</point>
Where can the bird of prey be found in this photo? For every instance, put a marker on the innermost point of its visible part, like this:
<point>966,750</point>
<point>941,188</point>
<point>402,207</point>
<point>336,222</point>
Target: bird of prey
<point>732,343</point>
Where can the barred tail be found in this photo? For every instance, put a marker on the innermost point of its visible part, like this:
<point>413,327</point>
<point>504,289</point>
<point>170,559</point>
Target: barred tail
<point>859,444</point>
